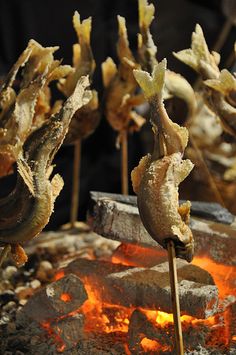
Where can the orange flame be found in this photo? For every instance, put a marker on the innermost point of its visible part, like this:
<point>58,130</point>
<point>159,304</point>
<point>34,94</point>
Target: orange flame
<point>149,345</point>
<point>222,274</point>
<point>65,297</point>
<point>102,317</point>
<point>57,339</point>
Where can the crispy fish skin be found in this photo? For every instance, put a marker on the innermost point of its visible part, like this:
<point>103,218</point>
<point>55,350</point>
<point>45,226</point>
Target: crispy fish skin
<point>19,109</point>
<point>120,84</point>
<point>86,119</point>
<point>158,201</point>
<point>25,212</point>
<point>175,84</point>
<point>157,177</point>
<point>219,87</point>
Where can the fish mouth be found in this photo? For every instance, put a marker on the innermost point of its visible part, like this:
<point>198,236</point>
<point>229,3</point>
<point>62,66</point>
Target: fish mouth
<point>182,251</point>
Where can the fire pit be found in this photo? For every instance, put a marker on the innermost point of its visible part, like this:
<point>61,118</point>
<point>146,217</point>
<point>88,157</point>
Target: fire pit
<point>115,298</point>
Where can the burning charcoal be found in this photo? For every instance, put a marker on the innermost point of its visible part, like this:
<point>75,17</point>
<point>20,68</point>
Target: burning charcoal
<point>149,288</point>
<point>141,328</point>
<point>57,299</point>
<point>70,331</point>
<point>135,255</point>
<point>206,210</point>
<point>97,268</point>
<point>153,333</point>
<point>120,221</point>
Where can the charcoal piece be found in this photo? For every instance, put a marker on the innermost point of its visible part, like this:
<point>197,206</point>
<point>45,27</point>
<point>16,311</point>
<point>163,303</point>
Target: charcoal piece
<point>57,299</point>
<point>135,255</point>
<point>141,327</point>
<point>121,222</point>
<point>212,211</point>
<point>149,287</point>
<point>69,330</point>
<point>93,268</point>
<point>207,210</point>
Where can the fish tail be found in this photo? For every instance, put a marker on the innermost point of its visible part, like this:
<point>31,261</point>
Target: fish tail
<point>152,85</point>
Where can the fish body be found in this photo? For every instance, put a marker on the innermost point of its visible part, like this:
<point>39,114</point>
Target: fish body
<point>157,177</point>
<point>26,211</point>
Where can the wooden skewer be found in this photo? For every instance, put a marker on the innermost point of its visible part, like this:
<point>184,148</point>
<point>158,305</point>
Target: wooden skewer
<point>75,183</point>
<point>4,253</point>
<point>124,163</point>
<point>206,170</point>
<point>175,298</point>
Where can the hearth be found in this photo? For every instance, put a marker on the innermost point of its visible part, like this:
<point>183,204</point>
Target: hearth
<point>118,301</point>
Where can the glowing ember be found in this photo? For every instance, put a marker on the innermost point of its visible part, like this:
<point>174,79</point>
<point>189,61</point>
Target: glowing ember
<point>59,275</point>
<point>57,339</point>
<point>101,317</point>
<point>135,255</point>
<point>65,297</point>
<point>222,274</point>
<point>149,345</point>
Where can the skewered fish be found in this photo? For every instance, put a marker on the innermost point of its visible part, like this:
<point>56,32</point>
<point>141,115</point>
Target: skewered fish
<point>86,119</point>
<point>20,106</point>
<point>120,85</point>
<point>25,212</point>
<point>175,84</point>
<point>155,180</point>
<point>219,87</point>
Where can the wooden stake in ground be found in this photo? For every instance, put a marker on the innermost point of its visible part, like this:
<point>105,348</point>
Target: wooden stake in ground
<point>4,253</point>
<point>75,184</point>
<point>124,163</point>
<point>175,298</point>
<point>85,120</point>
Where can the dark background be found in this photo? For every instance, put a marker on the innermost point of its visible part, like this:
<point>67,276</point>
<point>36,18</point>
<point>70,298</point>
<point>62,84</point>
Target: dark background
<point>50,23</point>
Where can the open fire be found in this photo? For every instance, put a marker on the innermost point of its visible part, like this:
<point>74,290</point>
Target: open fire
<point>151,331</point>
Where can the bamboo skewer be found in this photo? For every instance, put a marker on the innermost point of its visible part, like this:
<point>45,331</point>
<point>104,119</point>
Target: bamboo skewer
<point>209,177</point>
<point>75,183</point>
<point>175,298</point>
<point>124,163</point>
<point>4,253</point>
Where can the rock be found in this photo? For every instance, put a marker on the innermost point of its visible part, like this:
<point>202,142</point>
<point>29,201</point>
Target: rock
<point>45,271</point>
<point>9,306</point>
<point>9,272</point>
<point>35,284</point>
<point>7,296</point>
<point>24,292</point>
